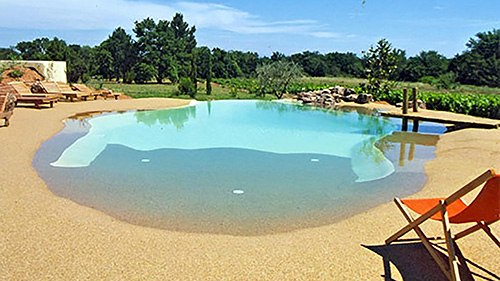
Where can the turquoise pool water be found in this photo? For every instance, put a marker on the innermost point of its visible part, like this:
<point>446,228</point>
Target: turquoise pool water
<point>234,167</point>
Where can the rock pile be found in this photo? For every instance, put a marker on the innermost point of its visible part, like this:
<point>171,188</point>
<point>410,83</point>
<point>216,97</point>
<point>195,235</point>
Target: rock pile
<point>329,97</point>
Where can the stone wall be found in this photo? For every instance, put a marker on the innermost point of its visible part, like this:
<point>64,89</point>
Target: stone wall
<point>51,70</point>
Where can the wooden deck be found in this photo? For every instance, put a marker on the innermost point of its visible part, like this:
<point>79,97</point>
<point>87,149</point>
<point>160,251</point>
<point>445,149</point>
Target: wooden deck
<point>458,120</point>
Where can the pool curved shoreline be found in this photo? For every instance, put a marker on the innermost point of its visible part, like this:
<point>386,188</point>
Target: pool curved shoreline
<point>175,169</point>
<point>59,238</point>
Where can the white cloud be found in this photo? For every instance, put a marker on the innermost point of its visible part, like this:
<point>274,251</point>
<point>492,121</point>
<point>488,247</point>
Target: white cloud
<point>325,34</point>
<point>109,14</point>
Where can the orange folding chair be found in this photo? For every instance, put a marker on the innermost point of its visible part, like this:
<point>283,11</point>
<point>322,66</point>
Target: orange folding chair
<point>483,211</point>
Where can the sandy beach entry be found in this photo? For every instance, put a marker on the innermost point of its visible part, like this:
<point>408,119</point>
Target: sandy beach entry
<point>44,237</point>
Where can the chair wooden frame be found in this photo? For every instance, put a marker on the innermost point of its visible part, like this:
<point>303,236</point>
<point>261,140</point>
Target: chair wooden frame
<point>103,92</point>
<point>62,89</point>
<point>24,95</point>
<point>71,94</point>
<point>451,269</point>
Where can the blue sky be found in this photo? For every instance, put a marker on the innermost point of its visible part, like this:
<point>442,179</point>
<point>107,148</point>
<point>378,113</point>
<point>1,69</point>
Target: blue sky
<point>263,26</point>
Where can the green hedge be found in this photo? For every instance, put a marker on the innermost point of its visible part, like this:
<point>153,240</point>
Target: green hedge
<point>478,105</point>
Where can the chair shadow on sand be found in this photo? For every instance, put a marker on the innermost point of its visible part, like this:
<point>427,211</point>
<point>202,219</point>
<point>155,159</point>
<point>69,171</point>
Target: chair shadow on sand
<point>414,262</point>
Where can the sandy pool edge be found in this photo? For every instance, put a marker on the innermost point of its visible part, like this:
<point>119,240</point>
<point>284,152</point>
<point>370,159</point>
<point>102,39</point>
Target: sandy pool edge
<point>46,237</point>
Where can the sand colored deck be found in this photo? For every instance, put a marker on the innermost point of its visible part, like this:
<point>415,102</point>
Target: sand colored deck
<point>44,237</point>
<point>446,117</point>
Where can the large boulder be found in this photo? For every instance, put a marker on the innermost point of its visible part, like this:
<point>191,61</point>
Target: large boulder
<point>420,104</point>
<point>349,92</point>
<point>306,100</point>
<point>364,98</point>
<point>340,90</point>
<point>337,97</point>
<point>350,98</point>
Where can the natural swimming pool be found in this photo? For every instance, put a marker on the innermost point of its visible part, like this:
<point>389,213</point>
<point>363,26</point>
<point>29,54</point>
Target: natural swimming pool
<point>235,167</point>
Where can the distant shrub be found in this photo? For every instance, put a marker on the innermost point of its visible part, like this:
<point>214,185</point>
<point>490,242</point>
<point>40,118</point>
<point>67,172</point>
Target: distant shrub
<point>427,80</point>
<point>144,73</point>
<point>233,92</point>
<point>129,77</point>
<point>446,81</point>
<point>186,87</point>
<point>85,77</point>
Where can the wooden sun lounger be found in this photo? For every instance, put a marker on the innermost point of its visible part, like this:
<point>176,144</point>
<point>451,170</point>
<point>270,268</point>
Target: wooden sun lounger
<point>37,100</point>
<point>55,88</point>
<point>105,93</point>
<point>70,94</point>
<point>84,89</point>
<point>21,89</point>
<point>24,95</point>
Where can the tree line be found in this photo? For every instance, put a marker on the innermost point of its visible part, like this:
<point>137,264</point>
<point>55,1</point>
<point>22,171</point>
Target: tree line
<point>167,51</point>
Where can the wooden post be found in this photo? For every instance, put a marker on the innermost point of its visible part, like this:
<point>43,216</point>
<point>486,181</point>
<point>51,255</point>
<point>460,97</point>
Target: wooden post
<point>455,274</point>
<point>415,125</point>
<point>404,124</point>
<point>415,104</point>
<point>411,154</point>
<point>405,101</point>
<point>402,154</point>
<point>424,239</point>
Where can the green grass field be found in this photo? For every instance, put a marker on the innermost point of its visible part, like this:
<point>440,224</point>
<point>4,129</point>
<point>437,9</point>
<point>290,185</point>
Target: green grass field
<point>229,91</point>
<point>170,91</point>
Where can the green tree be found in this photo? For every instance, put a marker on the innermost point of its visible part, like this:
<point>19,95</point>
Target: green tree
<point>122,49</point>
<point>43,49</point>
<point>480,63</point>
<point>274,78</point>
<point>8,54</point>
<point>155,47</point>
<point>204,66</point>
<point>78,62</point>
<point>220,60</point>
<point>184,43</point>
<point>277,56</point>
<point>313,63</point>
<point>186,87</point>
<point>77,58</point>
<point>167,46</point>
<point>247,62</point>
<point>340,64</point>
<point>143,73</point>
<point>429,63</point>
<point>381,63</point>
<point>102,62</point>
